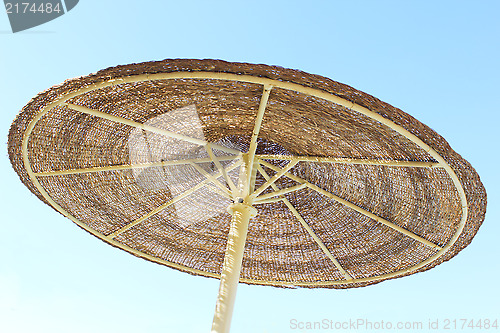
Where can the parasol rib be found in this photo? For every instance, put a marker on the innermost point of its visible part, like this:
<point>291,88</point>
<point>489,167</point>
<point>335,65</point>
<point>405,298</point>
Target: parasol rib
<point>297,215</point>
<point>280,192</point>
<point>251,172</point>
<point>215,160</point>
<point>341,160</point>
<point>148,128</point>
<point>213,179</point>
<point>266,201</point>
<point>356,208</point>
<point>169,203</point>
<point>215,189</point>
<point>273,179</point>
<point>131,166</point>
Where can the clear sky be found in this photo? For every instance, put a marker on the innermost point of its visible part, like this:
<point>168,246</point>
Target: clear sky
<point>436,60</point>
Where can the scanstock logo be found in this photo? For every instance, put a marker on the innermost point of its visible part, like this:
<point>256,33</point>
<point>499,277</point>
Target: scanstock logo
<point>26,14</point>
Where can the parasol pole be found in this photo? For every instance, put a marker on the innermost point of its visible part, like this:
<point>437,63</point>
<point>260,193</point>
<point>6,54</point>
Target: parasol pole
<point>241,213</point>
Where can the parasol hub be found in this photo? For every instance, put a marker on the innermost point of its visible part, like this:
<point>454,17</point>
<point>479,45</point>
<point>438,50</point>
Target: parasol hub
<point>242,207</point>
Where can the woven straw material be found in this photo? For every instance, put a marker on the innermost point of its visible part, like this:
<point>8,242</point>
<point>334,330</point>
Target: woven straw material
<point>191,234</point>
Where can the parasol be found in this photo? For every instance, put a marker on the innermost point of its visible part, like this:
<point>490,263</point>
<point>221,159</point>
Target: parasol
<point>248,173</point>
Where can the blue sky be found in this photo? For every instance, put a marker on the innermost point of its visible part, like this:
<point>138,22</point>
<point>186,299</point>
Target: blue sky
<point>438,61</point>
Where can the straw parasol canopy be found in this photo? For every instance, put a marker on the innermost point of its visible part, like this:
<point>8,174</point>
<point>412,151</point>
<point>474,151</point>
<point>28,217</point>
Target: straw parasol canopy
<point>348,190</point>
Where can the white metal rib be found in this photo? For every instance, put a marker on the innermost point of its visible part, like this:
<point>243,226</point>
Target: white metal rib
<point>279,192</point>
<point>214,180</point>
<point>215,160</point>
<point>130,166</point>
<point>253,141</point>
<point>148,128</point>
<point>306,226</point>
<point>217,190</point>
<point>266,201</point>
<point>356,208</point>
<point>274,178</point>
<point>167,204</point>
<point>341,160</point>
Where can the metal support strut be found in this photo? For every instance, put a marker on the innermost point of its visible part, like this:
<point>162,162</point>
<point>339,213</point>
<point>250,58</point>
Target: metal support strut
<point>230,276</point>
